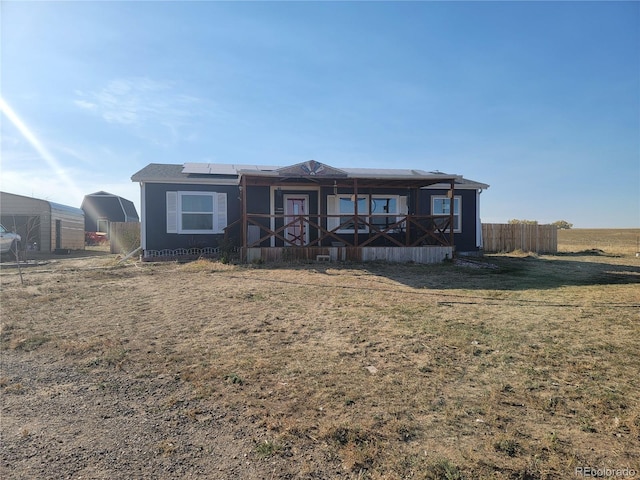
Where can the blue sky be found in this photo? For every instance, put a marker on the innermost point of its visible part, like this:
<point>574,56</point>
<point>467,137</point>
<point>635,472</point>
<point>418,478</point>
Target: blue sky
<point>540,100</point>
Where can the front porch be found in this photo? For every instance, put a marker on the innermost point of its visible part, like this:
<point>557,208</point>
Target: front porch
<point>409,238</point>
<point>315,212</point>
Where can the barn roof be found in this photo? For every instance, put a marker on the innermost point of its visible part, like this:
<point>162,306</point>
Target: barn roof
<point>105,204</point>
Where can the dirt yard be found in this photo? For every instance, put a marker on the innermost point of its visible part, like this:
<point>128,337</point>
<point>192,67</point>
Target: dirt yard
<point>510,367</point>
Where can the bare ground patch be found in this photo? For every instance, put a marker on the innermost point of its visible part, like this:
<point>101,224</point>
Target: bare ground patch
<point>205,370</point>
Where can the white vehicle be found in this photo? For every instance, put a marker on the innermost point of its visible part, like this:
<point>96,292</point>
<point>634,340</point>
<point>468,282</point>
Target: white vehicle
<point>9,241</point>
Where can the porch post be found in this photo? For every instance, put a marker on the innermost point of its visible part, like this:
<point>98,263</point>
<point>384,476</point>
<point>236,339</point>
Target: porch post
<point>355,210</point>
<point>451,216</point>
<point>413,205</point>
<point>243,221</point>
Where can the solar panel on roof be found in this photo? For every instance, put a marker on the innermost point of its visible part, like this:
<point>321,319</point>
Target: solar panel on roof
<point>195,168</point>
<point>222,169</point>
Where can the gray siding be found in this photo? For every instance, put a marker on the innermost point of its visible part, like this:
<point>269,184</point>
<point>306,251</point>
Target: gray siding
<point>259,200</point>
<point>465,241</point>
<point>156,234</point>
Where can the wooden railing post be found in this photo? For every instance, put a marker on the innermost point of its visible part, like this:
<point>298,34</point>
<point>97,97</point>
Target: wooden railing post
<point>244,224</point>
<point>452,204</point>
<point>355,210</point>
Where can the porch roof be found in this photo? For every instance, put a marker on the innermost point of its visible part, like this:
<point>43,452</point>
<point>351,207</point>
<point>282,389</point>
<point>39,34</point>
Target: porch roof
<point>349,181</point>
<point>312,172</point>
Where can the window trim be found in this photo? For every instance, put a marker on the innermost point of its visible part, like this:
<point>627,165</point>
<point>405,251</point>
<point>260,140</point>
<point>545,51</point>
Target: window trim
<point>456,199</point>
<point>174,212</point>
<point>100,221</point>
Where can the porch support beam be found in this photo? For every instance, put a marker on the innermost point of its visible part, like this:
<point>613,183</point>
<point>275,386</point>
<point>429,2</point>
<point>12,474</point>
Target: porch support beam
<point>244,223</point>
<point>415,200</point>
<point>452,204</point>
<point>356,226</point>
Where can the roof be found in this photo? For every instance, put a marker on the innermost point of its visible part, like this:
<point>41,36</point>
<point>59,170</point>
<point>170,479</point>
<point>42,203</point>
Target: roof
<point>43,203</point>
<point>230,174</point>
<point>111,206</point>
<point>172,173</point>
<point>66,208</point>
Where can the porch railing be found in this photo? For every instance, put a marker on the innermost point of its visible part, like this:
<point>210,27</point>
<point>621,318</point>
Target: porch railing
<point>405,231</point>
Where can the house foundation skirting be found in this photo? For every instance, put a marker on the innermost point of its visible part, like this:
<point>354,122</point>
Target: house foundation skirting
<point>184,254</point>
<point>423,254</point>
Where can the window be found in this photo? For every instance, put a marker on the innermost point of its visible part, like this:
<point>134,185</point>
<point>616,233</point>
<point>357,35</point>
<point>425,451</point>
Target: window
<point>441,205</point>
<point>346,206</point>
<point>384,210</point>
<point>102,225</point>
<point>378,210</point>
<point>196,212</point>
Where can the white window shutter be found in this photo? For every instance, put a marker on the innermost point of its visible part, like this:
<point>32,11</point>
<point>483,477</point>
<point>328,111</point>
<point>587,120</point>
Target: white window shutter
<point>221,212</point>
<point>332,209</point>
<point>172,212</point>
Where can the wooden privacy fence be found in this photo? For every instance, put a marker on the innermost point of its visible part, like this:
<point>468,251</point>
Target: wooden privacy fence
<point>498,237</point>
<point>124,237</point>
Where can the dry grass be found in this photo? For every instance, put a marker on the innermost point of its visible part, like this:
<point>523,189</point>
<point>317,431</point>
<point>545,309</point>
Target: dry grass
<point>528,370</point>
<point>613,241</point>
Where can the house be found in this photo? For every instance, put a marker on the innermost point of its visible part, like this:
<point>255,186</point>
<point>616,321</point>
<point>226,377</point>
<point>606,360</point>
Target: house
<point>44,226</point>
<point>310,210</point>
<point>102,208</point>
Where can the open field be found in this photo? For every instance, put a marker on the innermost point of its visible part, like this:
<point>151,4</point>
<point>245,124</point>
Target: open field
<point>526,368</point>
<point>620,241</point>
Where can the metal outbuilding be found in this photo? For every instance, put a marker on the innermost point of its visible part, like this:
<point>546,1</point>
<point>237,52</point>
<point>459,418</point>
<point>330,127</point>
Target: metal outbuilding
<point>43,225</point>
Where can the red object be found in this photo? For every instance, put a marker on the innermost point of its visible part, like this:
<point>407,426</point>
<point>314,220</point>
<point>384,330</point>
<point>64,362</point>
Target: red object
<point>95,238</point>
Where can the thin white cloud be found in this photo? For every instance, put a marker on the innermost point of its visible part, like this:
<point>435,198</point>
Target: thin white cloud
<point>84,104</point>
<point>150,109</point>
